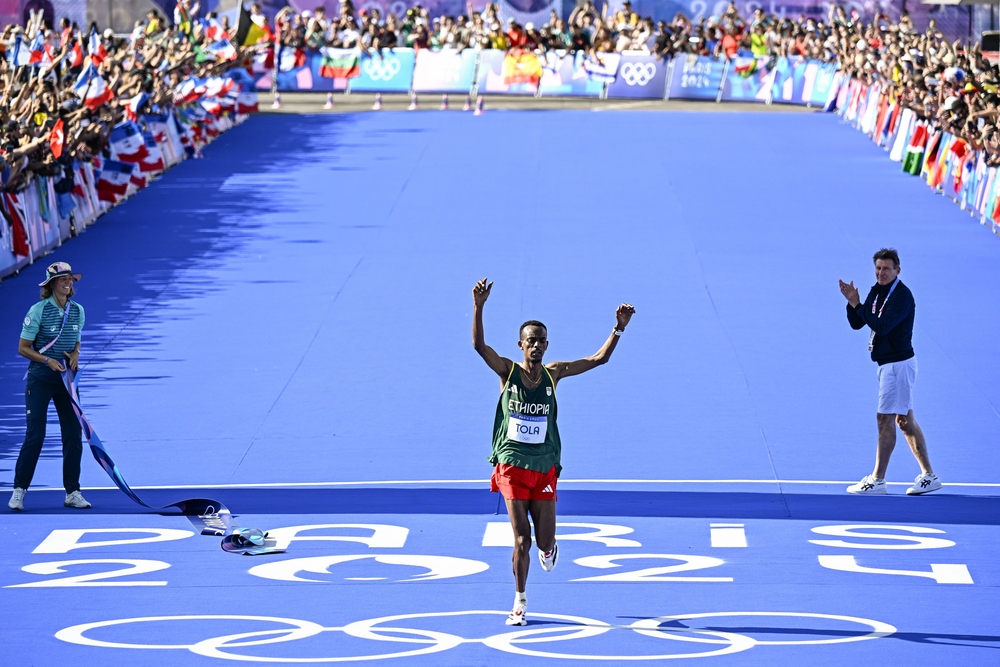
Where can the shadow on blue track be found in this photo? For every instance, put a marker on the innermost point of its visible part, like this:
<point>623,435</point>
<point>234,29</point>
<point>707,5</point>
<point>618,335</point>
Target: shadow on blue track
<point>944,509</point>
<point>136,250</point>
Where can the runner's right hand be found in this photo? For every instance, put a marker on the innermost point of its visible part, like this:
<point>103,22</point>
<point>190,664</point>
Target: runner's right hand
<point>481,292</point>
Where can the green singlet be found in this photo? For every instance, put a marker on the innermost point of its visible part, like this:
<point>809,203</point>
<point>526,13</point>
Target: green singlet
<point>524,430</point>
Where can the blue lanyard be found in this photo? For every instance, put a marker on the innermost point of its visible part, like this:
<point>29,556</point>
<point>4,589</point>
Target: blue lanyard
<point>875,300</point>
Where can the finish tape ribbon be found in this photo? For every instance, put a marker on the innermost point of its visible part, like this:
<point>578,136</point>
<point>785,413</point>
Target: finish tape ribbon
<point>211,516</point>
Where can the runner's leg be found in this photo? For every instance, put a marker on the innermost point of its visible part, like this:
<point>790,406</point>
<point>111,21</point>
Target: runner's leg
<point>517,510</point>
<point>543,515</point>
<point>37,395</point>
<point>72,439</point>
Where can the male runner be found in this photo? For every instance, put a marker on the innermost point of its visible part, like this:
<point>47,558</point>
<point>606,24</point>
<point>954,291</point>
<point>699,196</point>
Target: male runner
<point>888,311</point>
<point>526,446</point>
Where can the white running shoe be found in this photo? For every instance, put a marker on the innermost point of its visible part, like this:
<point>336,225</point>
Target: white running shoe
<point>16,500</point>
<point>519,615</point>
<point>548,558</point>
<point>76,501</point>
<point>924,484</point>
<point>869,486</point>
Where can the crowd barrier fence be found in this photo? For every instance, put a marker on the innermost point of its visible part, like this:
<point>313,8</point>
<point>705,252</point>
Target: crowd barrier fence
<point>629,75</point>
<point>948,164</point>
<point>51,209</point>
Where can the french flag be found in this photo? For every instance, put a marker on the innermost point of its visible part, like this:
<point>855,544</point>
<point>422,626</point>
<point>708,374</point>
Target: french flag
<point>92,89</point>
<point>95,48</point>
<point>222,50</point>
<point>189,91</point>
<point>127,143</point>
<point>246,102</point>
<point>20,54</point>
<point>114,180</point>
<point>134,104</point>
<point>213,30</point>
<point>154,161</point>
<point>37,49</point>
<point>76,55</point>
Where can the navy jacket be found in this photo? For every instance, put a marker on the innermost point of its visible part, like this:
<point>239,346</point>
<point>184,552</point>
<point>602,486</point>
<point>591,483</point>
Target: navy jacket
<point>894,330</point>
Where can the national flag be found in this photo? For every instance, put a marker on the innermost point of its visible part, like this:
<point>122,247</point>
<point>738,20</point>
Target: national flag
<point>520,66</point>
<point>19,54</point>
<point>114,180</point>
<point>340,63</point>
<point>57,137</point>
<point>913,158</point>
<point>248,32</point>
<point>157,124</point>
<point>127,142</point>
<point>76,55</point>
<point>216,86</point>
<point>213,30</point>
<point>95,48</point>
<point>212,106</point>
<point>37,49</point>
<point>20,245</point>
<point>91,88</point>
<point>602,67</point>
<point>222,50</point>
<point>247,102</point>
<point>744,67</point>
<point>134,104</point>
<point>189,90</point>
<point>138,180</point>
<point>184,19</point>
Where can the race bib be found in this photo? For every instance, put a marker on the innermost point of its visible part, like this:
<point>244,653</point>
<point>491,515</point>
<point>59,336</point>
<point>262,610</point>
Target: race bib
<point>526,429</point>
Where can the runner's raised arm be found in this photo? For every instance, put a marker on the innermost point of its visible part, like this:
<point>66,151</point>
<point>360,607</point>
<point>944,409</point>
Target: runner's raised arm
<point>562,369</point>
<point>500,365</point>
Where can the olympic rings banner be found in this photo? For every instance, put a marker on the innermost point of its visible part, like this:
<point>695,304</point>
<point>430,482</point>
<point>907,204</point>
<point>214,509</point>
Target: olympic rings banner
<point>640,77</point>
<point>665,637</point>
<point>388,72</point>
<point>566,76</point>
<point>696,78</point>
<point>445,71</point>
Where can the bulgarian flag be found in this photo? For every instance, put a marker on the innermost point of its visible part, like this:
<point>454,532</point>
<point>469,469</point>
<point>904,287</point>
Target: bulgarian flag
<point>913,158</point>
<point>340,63</point>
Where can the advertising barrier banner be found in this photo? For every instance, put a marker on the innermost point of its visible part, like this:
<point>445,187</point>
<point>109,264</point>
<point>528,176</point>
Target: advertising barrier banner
<point>300,69</point>
<point>390,72</point>
<point>748,80</point>
<point>508,73</point>
<point>447,71</point>
<point>696,77</point>
<point>566,76</point>
<point>640,77</point>
<point>789,81</point>
<point>820,83</point>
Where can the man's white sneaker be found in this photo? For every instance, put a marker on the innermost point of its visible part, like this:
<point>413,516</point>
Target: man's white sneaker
<point>16,500</point>
<point>76,501</point>
<point>869,486</point>
<point>548,558</point>
<point>924,484</point>
<point>519,615</point>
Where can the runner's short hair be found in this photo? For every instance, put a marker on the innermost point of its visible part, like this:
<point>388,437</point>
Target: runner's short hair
<point>531,323</point>
<point>887,253</point>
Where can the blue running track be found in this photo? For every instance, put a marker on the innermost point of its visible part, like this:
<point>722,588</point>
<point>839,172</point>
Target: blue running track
<point>285,326</point>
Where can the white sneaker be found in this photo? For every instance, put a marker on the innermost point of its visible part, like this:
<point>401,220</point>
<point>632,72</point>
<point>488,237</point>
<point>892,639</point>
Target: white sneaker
<point>16,500</point>
<point>869,486</point>
<point>519,615</point>
<point>924,484</point>
<point>548,558</point>
<point>76,501</point>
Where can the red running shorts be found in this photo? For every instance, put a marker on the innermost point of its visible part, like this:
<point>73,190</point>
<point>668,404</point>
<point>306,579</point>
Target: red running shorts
<point>523,484</point>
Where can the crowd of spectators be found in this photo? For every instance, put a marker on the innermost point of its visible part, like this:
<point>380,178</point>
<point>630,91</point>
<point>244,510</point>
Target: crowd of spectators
<point>950,83</point>
<point>48,121</point>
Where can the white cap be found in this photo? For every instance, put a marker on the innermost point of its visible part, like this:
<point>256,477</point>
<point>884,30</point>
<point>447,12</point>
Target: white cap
<point>529,26</point>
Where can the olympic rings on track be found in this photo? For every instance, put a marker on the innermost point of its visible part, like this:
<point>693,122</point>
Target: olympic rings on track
<point>574,627</point>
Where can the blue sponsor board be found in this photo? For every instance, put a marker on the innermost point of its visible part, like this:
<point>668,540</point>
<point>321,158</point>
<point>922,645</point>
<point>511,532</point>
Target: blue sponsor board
<point>390,72</point>
<point>789,81</point>
<point>446,71</point>
<point>696,77</point>
<point>822,76</point>
<point>565,76</point>
<point>640,77</point>
<point>748,80</point>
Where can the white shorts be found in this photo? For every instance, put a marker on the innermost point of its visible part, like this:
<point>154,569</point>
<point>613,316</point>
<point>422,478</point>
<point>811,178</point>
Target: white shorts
<point>895,387</point>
